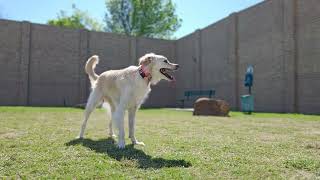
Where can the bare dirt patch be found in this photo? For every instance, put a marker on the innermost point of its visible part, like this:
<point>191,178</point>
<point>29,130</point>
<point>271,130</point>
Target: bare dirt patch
<point>10,135</point>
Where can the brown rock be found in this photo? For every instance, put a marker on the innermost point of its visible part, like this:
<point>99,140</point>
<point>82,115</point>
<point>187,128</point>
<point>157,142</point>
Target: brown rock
<point>215,107</point>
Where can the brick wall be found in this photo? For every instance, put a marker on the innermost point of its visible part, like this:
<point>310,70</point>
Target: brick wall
<point>42,65</point>
<point>308,55</point>
<point>280,38</point>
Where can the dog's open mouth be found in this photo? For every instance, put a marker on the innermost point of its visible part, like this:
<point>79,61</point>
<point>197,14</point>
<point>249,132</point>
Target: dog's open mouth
<point>165,71</point>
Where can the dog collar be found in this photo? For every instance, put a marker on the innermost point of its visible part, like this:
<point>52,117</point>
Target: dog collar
<point>144,73</point>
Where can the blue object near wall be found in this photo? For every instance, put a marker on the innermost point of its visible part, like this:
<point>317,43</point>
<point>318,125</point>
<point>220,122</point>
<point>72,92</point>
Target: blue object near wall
<point>248,80</point>
<point>247,103</point>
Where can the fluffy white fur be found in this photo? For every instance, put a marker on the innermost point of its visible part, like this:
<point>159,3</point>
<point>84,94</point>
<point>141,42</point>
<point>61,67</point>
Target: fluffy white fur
<point>123,90</point>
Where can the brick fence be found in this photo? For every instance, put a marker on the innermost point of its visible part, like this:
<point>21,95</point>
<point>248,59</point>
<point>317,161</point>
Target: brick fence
<point>43,65</point>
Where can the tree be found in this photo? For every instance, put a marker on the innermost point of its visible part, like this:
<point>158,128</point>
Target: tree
<point>78,20</point>
<point>149,18</point>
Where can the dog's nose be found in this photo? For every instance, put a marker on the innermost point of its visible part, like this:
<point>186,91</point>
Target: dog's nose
<point>177,66</point>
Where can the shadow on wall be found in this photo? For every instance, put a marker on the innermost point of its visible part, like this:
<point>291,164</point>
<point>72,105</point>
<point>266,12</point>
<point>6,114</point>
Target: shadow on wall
<point>107,146</point>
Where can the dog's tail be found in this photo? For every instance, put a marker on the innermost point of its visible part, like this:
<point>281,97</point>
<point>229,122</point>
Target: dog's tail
<point>89,68</point>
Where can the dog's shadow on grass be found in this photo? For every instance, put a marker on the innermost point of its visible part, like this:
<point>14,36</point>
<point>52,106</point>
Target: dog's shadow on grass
<point>145,161</point>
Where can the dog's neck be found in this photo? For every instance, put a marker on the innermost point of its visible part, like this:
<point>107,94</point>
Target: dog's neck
<point>145,73</point>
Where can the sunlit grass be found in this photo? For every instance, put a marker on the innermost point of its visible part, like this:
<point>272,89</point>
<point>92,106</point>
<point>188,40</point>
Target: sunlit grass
<point>40,142</point>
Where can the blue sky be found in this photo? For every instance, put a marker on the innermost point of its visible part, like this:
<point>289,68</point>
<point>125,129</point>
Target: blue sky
<point>194,13</point>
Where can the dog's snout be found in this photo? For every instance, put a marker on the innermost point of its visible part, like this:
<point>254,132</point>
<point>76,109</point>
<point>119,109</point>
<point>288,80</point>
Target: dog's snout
<point>177,66</point>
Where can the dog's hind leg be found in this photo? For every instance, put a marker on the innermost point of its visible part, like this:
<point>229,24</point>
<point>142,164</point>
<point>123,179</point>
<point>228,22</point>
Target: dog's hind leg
<point>111,126</point>
<point>132,123</point>
<point>94,99</point>
<point>110,109</point>
<point>111,132</point>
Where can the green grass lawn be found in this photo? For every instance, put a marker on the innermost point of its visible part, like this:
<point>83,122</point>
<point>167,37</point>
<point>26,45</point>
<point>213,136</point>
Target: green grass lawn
<point>39,142</point>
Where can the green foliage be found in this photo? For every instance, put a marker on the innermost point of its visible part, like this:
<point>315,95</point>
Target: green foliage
<point>156,18</point>
<point>78,20</point>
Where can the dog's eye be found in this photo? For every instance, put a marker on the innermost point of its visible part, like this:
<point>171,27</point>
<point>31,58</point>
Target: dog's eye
<point>166,61</point>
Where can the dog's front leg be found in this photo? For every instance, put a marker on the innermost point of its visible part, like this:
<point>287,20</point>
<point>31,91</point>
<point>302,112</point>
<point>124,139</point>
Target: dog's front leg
<point>118,117</point>
<point>132,123</point>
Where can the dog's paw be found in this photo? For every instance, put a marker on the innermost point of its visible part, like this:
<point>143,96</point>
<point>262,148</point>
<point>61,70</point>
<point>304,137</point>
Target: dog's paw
<point>113,136</point>
<point>138,143</point>
<point>79,137</point>
<point>121,144</point>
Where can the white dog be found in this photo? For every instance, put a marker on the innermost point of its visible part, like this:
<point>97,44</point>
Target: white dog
<point>125,89</point>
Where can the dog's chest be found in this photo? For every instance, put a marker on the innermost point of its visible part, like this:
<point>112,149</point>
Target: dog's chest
<point>139,95</point>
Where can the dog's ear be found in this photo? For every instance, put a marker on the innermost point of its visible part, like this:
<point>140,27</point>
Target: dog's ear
<point>145,60</point>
